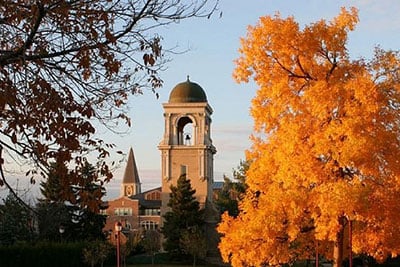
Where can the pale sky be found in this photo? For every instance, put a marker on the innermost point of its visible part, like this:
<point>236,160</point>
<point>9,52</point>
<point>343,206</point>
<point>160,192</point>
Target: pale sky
<point>213,45</point>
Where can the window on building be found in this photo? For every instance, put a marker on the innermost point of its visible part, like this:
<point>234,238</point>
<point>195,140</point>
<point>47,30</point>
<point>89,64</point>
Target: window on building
<point>123,211</point>
<point>149,225</point>
<point>103,212</point>
<point>183,170</point>
<point>153,195</point>
<point>151,212</point>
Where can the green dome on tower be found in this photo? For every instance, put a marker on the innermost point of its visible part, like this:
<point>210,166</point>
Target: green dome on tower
<point>187,92</point>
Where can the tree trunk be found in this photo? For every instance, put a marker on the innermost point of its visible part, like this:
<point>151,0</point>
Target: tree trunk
<point>338,246</point>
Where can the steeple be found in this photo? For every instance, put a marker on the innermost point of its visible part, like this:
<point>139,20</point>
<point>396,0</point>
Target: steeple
<point>130,182</point>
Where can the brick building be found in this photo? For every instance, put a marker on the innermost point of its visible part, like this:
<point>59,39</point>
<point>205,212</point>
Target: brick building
<point>133,208</point>
<point>186,148</point>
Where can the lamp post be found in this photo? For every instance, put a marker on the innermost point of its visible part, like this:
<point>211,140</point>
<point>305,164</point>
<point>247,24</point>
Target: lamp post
<point>61,230</point>
<point>118,228</point>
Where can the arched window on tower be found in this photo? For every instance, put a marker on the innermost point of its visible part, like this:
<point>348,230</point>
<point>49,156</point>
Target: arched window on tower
<point>185,131</point>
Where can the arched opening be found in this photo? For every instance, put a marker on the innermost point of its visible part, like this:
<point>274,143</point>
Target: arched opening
<point>185,131</point>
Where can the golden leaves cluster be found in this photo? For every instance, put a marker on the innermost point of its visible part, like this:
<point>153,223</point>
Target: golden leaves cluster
<point>327,148</point>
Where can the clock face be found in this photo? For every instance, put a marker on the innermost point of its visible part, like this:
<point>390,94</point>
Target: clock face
<point>129,190</point>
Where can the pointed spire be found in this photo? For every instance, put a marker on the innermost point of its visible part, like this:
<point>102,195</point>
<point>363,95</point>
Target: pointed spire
<point>131,175</point>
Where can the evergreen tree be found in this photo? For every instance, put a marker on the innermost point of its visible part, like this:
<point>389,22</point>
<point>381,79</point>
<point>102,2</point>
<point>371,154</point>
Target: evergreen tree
<point>16,222</point>
<point>52,189</point>
<point>88,225</point>
<point>51,209</point>
<point>185,214</point>
<point>55,211</point>
<point>240,174</point>
<point>225,200</point>
<point>231,192</point>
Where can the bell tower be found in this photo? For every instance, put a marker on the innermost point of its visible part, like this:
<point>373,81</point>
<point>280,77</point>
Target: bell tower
<point>186,147</point>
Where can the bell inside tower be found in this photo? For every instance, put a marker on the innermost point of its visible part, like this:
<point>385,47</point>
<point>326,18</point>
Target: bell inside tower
<point>185,131</point>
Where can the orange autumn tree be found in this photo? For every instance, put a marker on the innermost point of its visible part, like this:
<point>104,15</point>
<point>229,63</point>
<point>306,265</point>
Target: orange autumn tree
<point>325,150</point>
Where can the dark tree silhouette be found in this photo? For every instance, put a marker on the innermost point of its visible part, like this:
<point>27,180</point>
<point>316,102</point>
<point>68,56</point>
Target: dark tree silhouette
<point>79,221</point>
<point>185,213</point>
<point>16,222</point>
<point>231,191</point>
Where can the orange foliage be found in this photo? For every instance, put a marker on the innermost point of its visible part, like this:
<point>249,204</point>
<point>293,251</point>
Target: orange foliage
<point>327,149</point>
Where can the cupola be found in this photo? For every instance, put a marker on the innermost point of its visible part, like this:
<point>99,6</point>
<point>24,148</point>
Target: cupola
<point>187,92</point>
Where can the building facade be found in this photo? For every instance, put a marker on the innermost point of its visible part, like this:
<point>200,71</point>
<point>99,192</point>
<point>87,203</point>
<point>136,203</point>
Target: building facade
<point>136,210</point>
<point>186,148</point>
